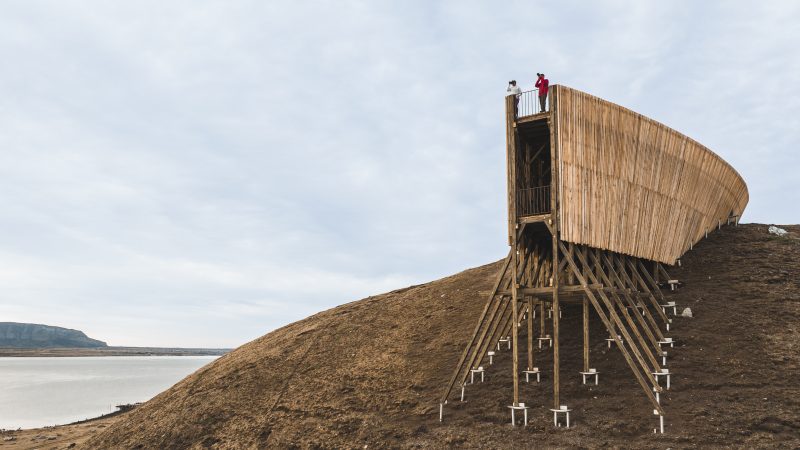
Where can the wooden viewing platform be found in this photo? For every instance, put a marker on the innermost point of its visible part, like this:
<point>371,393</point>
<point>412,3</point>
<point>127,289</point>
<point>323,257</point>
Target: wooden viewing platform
<point>600,198</point>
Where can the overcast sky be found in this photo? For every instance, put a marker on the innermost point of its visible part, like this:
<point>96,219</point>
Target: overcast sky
<point>195,173</point>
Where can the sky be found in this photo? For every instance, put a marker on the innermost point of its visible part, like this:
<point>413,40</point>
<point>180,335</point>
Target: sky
<point>199,173</point>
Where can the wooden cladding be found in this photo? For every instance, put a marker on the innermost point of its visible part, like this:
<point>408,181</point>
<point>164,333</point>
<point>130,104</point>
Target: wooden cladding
<point>634,186</point>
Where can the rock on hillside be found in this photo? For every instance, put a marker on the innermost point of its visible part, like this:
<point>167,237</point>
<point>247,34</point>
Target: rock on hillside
<point>30,335</point>
<point>369,373</point>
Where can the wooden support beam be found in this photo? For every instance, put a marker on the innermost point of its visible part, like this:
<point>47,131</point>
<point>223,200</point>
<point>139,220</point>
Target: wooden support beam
<point>533,117</point>
<point>598,268</point>
<point>556,310</point>
<point>585,303</point>
<point>645,275</point>
<point>663,271</point>
<point>500,331</point>
<point>530,268</point>
<point>585,335</point>
<point>505,330</point>
<point>570,275</point>
<point>541,319</point>
<point>511,167</point>
<point>534,218</point>
<point>553,225</point>
<point>535,267</point>
<point>498,309</point>
<point>561,267</point>
<point>494,331</point>
<point>644,284</point>
<point>615,302</point>
<point>478,327</point>
<point>489,336</point>
<point>489,332</point>
<point>611,276</point>
<point>522,264</point>
<point>643,376</point>
<point>515,328</point>
<point>549,290</point>
<point>530,333</point>
<point>538,152</point>
<point>626,280</point>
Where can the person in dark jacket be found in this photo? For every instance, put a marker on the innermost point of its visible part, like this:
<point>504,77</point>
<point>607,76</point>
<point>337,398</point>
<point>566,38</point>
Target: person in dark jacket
<point>542,84</point>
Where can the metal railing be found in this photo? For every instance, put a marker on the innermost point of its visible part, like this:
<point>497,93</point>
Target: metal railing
<point>533,201</point>
<point>528,103</point>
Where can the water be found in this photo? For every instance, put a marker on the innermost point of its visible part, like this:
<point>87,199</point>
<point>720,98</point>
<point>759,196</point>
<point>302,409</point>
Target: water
<point>37,392</point>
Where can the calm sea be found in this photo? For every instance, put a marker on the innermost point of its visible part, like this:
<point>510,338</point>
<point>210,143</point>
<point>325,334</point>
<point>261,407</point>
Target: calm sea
<point>37,392</point>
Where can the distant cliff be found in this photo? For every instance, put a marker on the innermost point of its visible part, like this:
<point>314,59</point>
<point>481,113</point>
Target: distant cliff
<point>29,335</point>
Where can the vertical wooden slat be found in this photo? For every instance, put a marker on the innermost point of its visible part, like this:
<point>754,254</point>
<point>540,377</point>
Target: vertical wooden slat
<point>632,185</point>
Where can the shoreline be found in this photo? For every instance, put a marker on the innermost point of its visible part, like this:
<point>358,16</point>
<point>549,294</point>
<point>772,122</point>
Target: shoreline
<point>61,436</point>
<point>110,351</point>
<point>121,409</point>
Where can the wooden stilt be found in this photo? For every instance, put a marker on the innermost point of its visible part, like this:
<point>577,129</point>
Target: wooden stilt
<point>556,309</point>
<point>663,271</point>
<point>515,338</point>
<point>530,333</point>
<point>585,334</point>
<point>541,319</point>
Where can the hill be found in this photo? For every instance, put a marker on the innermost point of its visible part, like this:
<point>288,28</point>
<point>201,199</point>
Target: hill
<point>369,373</point>
<point>31,335</point>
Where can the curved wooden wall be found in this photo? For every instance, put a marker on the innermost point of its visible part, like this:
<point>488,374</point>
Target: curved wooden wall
<point>629,184</point>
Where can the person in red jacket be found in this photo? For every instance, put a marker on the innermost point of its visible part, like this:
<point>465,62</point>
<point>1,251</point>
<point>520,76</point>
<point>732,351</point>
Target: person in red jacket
<point>542,84</point>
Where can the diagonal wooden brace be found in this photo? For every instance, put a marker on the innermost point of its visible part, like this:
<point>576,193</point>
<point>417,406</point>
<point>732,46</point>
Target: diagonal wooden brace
<point>478,327</point>
<point>642,378</point>
<point>651,293</point>
<point>627,280</point>
<point>612,278</point>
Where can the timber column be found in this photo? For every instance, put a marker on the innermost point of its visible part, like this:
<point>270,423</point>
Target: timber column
<point>511,150</point>
<point>554,230</point>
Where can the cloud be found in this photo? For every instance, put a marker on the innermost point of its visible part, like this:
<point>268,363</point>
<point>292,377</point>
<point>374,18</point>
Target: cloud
<point>199,173</point>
